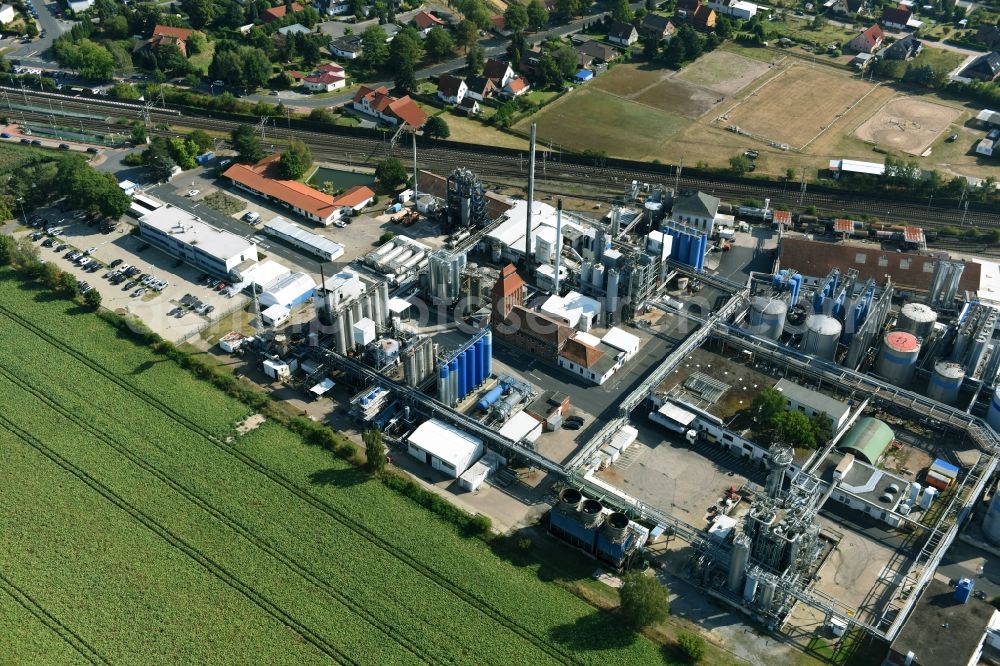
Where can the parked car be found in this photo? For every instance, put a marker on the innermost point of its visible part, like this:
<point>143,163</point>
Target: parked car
<point>36,142</point>
<point>63,146</point>
<point>209,309</point>
<point>952,138</point>
<point>251,217</point>
<point>4,135</point>
<point>47,242</point>
<point>91,250</point>
<point>92,150</point>
<point>116,263</point>
<point>571,425</point>
<point>193,193</point>
<point>138,292</point>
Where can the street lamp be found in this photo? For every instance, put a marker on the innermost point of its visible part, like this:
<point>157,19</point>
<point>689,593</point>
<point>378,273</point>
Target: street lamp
<point>21,207</point>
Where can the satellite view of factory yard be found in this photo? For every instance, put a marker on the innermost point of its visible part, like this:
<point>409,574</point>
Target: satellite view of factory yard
<point>500,332</point>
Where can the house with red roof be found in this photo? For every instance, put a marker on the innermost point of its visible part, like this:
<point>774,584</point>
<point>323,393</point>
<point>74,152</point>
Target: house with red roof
<point>425,22</point>
<point>325,78</point>
<point>379,103</point>
<point>515,88</point>
<point>263,180</point>
<point>275,13</point>
<point>867,42</point>
<point>164,35</point>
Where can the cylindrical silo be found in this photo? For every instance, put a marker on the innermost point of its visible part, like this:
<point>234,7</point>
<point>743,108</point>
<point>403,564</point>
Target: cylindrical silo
<point>443,384</point>
<point>767,317</point>
<point>917,318</point>
<point>898,359</point>
<point>685,251</point>
<point>993,415</point>
<point>470,369</point>
<point>991,521</point>
<point>480,361</point>
<point>489,353</point>
<point>822,334</point>
<point>452,381</point>
<point>462,370</point>
<point>946,381</point>
<point>738,563</point>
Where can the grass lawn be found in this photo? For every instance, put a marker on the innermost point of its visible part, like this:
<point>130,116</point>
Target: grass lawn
<point>801,31</point>
<point>938,58</point>
<point>223,203</point>
<point>190,543</point>
<point>590,119</point>
<point>202,60</point>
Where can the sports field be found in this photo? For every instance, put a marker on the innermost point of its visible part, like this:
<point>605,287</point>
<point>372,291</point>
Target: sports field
<point>797,105</point>
<point>907,124</point>
<point>139,528</point>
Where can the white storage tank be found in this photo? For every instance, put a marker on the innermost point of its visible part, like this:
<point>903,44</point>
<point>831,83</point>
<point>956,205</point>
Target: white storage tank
<point>991,521</point>
<point>822,335</point>
<point>898,359</point>
<point>917,318</point>
<point>930,492</point>
<point>946,381</point>
<point>767,317</point>
<point>993,415</point>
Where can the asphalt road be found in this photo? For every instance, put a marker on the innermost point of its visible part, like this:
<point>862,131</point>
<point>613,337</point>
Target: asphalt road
<point>35,53</point>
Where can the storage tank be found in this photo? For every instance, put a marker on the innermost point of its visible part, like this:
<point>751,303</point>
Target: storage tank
<point>767,317</point>
<point>738,563</point>
<point>444,386</point>
<point>491,397</point>
<point>946,381</point>
<point>914,493</point>
<point>991,521</point>
<point>570,500</point>
<point>928,498</point>
<point>917,318</point>
<point>452,382</point>
<point>591,513</point>
<point>822,335</point>
<point>616,526</point>
<point>993,415</point>
<point>489,353</point>
<point>898,359</point>
<point>750,587</point>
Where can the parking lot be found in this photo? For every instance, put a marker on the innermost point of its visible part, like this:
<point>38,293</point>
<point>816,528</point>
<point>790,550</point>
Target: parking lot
<point>151,306</point>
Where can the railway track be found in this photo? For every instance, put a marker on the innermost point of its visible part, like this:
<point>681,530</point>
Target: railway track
<point>551,172</point>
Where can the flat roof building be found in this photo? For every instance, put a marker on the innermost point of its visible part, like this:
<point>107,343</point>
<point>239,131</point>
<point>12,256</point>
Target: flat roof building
<point>574,309</point>
<point>183,235</point>
<point>321,246</point>
<point>509,235</point>
<point>446,448</point>
<point>813,402</point>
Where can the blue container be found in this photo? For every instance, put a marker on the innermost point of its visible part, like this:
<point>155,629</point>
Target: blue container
<point>461,376</point>
<point>675,245</point>
<point>491,397</point>
<point>964,590</point>
<point>480,361</point>
<point>684,253</point>
<point>489,354</point>
<point>470,370</point>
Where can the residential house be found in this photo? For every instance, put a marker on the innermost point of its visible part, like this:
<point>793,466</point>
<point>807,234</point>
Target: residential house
<point>623,34</point>
<point>469,106</point>
<point>593,362</point>
<point>498,25</point>
<point>528,64</point>
<point>7,14</point>
<point>164,35</point>
<point>904,49</point>
<point>685,8</point>
<point>325,82</point>
<point>347,47</point>
<point>425,22</point>
<point>274,13</point>
<point>849,7</point>
<point>656,26</point>
<point>986,147</point>
<point>499,71</point>
<point>584,61</point>
<point>296,76</point>
<point>597,51</point>
<point>338,7</point>
<point>294,29</point>
<point>451,89</point>
<point>866,42</point>
<point>515,88</point>
<point>984,68</point>
<point>896,18</point>
<point>264,180</point>
<point>480,88</point>
<point>738,9</point>
<point>379,103</point>
<point>988,118</point>
<point>703,18</point>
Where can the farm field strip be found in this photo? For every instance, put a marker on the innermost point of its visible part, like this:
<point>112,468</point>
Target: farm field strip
<point>407,600</point>
<point>384,625</point>
<point>44,618</point>
<point>170,537</point>
<point>464,561</point>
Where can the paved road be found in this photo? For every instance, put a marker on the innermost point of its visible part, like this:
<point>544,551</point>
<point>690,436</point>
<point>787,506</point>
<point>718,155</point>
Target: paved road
<point>35,53</point>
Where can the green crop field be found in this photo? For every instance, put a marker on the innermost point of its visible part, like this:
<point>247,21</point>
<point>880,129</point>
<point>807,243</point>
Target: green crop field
<point>139,528</point>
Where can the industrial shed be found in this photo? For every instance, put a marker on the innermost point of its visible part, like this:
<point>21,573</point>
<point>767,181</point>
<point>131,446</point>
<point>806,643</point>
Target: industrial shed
<point>868,439</point>
<point>446,448</point>
<point>288,291</point>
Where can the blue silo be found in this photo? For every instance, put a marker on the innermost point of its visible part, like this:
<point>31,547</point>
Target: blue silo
<point>462,370</point>
<point>443,384</point>
<point>685,250</point>
<point>480,361</point>
<point>702,250</point>
<point>470,370</point>
<point>964,590</point>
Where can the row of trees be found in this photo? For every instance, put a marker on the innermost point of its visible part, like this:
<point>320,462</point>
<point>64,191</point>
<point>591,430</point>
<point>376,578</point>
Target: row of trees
<point>22,254</point>
<point>774,421</point>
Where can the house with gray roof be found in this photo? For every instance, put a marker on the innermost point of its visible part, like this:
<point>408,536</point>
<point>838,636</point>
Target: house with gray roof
<point>696,209</point>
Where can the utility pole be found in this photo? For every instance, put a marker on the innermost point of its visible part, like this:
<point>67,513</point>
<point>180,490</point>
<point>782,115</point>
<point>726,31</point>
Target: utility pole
<point>677,175</point>
<point>802,191</point>
<point>416,192</point>
<point>965,211</point>
<point>262,126</point>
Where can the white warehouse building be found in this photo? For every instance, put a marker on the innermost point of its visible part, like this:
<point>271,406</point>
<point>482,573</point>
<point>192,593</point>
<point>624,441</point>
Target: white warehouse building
<point>289,290</point>
<point>183,235</point>
<point>446,448</point>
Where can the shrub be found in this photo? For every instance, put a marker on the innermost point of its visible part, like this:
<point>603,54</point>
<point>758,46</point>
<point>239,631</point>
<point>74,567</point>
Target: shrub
<point>692,646</point>
<point>645,600</point>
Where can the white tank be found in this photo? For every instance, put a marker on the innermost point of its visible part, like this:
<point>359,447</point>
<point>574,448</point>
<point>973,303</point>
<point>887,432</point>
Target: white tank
<point>767,317</point>
<point>930,492</point>
<point>597,275</point>
<point>914,493</point>
<point>946,381</point>
<point>991,521</point>
<point>822,335</point>
<point>917,318</point>
<point>738,563</point>
<point>898,359</point>
<point>993,415</point>
<point>750,587</point>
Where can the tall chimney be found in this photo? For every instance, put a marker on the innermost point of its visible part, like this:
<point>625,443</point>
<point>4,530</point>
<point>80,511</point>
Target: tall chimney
<point>531,200</point>
<point>558,241</point>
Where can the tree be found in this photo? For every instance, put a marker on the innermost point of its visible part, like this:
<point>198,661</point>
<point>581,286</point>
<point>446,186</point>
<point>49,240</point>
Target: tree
<point>475,59</point>
<point>644,600</point>
<point>436,128</point>
<point>790,173</point>
<point>406,49</point>
<point>740,164</point>
<point>406,79</point>
<point>6,249</point>
<point>692,646</point>
<point>386,237</point>
<point>227,66</point>
<point>650,46</point>
<point>296,160</point>
<point>30,29</point>
<point>518,47</point>
<point>538,15</point>
<point>50,275</point>
<point>200,12</point>
<point>374,49</point>
<point>256,67</point>
<point>466,35</point>
<point>765,407</point>
<point>201,139</point>
<point>674,53</point>
<point>246,144</point>
<point>94,61</point>
<point>570,8</point>
<point>391,173</point>
<point>321,115</point>
<point>620,11</point>
<point>374,451</point>
<point>822,426</point>
<point>68,285</point>
<point>92,299</point>
<point>138,135</point>
<point>439,43</point>
<point>794,429</point>
<point>515,18</point>
<point>124,91</point>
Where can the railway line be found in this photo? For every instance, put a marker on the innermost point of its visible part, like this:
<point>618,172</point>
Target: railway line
<point>551,171</point>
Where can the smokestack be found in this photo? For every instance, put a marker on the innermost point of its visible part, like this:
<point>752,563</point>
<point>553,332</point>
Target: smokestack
<point>558,241</point>
<point>531,199</point>
<point>416,192</point>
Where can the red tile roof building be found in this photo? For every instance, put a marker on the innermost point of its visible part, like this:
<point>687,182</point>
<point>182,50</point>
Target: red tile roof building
<point>262,179</point>
<point>425,21</point>
<point>379,103</point>
<point>165,35</point>
<point>275,13</point>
